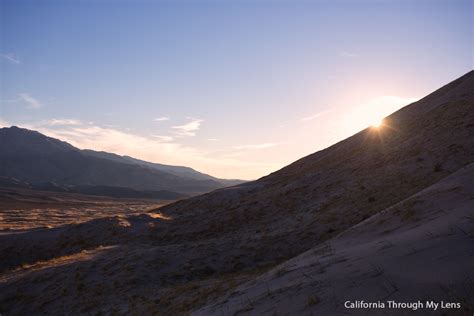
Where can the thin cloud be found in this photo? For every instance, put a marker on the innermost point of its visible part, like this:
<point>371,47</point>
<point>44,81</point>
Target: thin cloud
<point>31,102</point>
<point>315,116</point>
<point>56,122</point>
<point>256,146</point>
<point>11,58</point>
<point>161,119</point>
<point>213,139</point>
<point>348,55</point>
<point>163,138</point>
<point>188,129</point>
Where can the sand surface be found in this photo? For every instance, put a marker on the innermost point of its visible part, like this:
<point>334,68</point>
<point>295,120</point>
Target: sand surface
<point>422,248</point>
<point>22,209</point>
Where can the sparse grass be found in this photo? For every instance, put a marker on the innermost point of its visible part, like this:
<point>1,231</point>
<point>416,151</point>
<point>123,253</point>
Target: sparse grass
<point>181,298</point>
<point>313,300</point>
<point>408,214</point>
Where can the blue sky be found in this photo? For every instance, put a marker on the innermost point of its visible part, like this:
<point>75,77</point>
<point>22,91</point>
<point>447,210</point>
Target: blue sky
<point>236,89</point>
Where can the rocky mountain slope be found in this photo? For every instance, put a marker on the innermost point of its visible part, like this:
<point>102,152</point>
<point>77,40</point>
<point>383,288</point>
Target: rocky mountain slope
<point>399,193</point>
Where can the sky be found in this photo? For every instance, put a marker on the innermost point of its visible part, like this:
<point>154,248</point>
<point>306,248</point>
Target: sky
<point>236,89</point>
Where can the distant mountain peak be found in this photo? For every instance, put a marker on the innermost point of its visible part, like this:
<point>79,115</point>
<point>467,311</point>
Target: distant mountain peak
<point>33,157</point>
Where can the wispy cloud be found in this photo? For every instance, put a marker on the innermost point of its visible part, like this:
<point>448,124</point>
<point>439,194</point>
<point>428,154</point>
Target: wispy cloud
<point>314,116</point>
<point>256,146</point>
<point>188,129</point>
<point>213,139</point>
<point>31,102</point>
<point>163,138</point>
<point>56,122</point>
<point>11,58</point>
<point>348,55</point>
<point>161,119</point>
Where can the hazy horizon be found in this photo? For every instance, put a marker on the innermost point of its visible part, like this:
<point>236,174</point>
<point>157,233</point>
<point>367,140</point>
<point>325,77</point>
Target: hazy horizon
<point>235,90</point>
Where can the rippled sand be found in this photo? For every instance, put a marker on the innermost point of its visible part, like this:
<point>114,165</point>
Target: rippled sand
<point>27,209</point>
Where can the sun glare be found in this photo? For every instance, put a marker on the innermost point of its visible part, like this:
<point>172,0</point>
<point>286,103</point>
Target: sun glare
<point>377,123</point>
<point>370,114</point>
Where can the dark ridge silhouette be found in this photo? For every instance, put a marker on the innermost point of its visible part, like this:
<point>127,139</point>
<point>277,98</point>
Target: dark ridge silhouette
<point>35,158</point>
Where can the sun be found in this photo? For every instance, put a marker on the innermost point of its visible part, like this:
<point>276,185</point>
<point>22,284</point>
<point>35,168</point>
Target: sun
<point>377,123</point>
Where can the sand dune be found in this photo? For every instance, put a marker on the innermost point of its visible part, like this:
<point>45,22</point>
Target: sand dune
<point>418,249</point>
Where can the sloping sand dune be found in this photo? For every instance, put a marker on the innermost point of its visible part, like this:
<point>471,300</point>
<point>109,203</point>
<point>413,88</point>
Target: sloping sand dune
<point>419,249</point>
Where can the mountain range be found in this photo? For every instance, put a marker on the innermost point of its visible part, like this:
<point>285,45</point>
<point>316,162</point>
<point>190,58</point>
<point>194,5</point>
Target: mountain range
<point>44,163</point>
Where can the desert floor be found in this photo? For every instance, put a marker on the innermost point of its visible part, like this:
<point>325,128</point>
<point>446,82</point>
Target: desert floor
<point>26,209</point>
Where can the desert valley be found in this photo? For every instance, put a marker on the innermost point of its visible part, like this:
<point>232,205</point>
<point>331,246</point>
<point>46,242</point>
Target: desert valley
<point>244,157</point>
<point>384,215</point>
